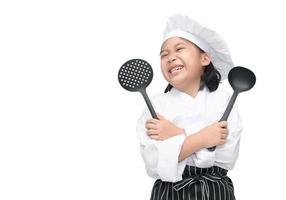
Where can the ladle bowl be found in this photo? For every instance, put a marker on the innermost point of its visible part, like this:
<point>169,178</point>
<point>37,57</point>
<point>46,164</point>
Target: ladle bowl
<point>241,79</point>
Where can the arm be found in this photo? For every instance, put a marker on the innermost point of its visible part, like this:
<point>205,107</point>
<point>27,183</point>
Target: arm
<point>164,147</point>
<point>191,144</point>
<point>161,156</point>
<point>212,135</point>
<point>227,154</point>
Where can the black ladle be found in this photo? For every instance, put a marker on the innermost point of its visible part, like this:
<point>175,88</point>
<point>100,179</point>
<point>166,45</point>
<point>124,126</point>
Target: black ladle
<point>241,79</point>
<point>135,75</point>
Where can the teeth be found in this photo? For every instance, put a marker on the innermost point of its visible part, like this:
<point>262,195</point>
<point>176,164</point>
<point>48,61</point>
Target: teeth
<point>176,68</point>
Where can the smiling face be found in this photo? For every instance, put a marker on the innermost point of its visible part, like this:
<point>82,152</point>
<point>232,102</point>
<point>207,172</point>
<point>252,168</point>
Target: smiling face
<point>182,63</point>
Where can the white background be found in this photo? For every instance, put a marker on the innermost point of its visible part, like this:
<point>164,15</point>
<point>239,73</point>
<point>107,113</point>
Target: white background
<point>67,128</point>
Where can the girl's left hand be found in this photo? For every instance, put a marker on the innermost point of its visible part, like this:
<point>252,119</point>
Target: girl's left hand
<point>162,129</point>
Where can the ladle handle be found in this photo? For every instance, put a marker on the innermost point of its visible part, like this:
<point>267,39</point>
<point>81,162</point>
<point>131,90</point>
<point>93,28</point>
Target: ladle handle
<point>227,111</point>
<point>229,106</point>
<point>148,102</point>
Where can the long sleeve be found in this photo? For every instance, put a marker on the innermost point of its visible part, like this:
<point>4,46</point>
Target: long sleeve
<point>161,157</point>
<point>202,158</point>
<point>227,154</point>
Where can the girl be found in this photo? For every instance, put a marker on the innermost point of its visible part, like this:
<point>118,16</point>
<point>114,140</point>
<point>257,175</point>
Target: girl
<point>194,60</point>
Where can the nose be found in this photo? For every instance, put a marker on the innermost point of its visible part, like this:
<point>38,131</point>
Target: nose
<point>171,59</point>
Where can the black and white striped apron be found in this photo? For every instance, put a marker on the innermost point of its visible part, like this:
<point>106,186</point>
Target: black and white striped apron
<point>197,184</point>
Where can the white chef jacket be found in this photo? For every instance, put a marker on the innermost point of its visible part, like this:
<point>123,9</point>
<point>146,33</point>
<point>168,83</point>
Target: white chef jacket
<point>192,114</point>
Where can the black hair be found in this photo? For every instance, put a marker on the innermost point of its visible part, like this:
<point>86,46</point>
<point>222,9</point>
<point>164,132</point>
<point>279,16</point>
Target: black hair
<point>210,78</point>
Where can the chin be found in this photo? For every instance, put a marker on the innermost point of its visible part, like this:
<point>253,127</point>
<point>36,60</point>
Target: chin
<point>180,78</point>
<point>176,83</point>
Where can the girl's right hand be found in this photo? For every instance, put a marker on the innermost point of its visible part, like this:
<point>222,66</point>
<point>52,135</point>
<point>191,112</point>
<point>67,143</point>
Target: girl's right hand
<point>214,134</point>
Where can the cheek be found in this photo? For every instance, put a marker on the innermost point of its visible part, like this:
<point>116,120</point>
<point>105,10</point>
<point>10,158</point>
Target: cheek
<point>164,70</point>
<point>192,61</point>
<point>163,65</point>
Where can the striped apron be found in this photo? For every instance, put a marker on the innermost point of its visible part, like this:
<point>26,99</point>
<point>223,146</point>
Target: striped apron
<point>197,184</point>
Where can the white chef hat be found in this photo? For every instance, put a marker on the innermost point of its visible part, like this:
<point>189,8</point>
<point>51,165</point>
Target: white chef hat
<point>207,39</point>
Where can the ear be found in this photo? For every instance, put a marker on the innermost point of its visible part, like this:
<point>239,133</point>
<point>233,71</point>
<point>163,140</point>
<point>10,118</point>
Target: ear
<point>205,59</point>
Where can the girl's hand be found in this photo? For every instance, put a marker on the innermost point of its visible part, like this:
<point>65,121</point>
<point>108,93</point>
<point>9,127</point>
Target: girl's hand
<point>214,134</point>
<point>162,129</point>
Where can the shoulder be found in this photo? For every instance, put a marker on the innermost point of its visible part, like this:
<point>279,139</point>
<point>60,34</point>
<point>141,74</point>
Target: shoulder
<point>158,96</point>
<point>161,97</point>
<point>219,95</point>
<point>158,102</point>
<point>217,100</point>
<point>164,103</point>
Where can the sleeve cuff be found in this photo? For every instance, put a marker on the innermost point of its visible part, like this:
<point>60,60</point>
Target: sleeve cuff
<point>169,167</point>
<point>204,158</point>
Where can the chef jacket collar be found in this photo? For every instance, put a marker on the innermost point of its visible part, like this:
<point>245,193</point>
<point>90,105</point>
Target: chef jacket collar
<point>200,95</point>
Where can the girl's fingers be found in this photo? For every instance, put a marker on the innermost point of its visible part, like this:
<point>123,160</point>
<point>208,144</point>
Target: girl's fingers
<point>151,132</point>
<point>224,131</point>
<point>224,135</point>
<point>223,141</point>
<point>151,121</point>
<point>150,126</point>
<point>223,124</point>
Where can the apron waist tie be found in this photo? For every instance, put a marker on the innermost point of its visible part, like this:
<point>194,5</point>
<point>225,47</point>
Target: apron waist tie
<point>189,181</point>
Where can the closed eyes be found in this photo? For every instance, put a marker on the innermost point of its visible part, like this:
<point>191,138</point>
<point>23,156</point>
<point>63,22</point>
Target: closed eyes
<point>164,53</point>
<point>180,48</point>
